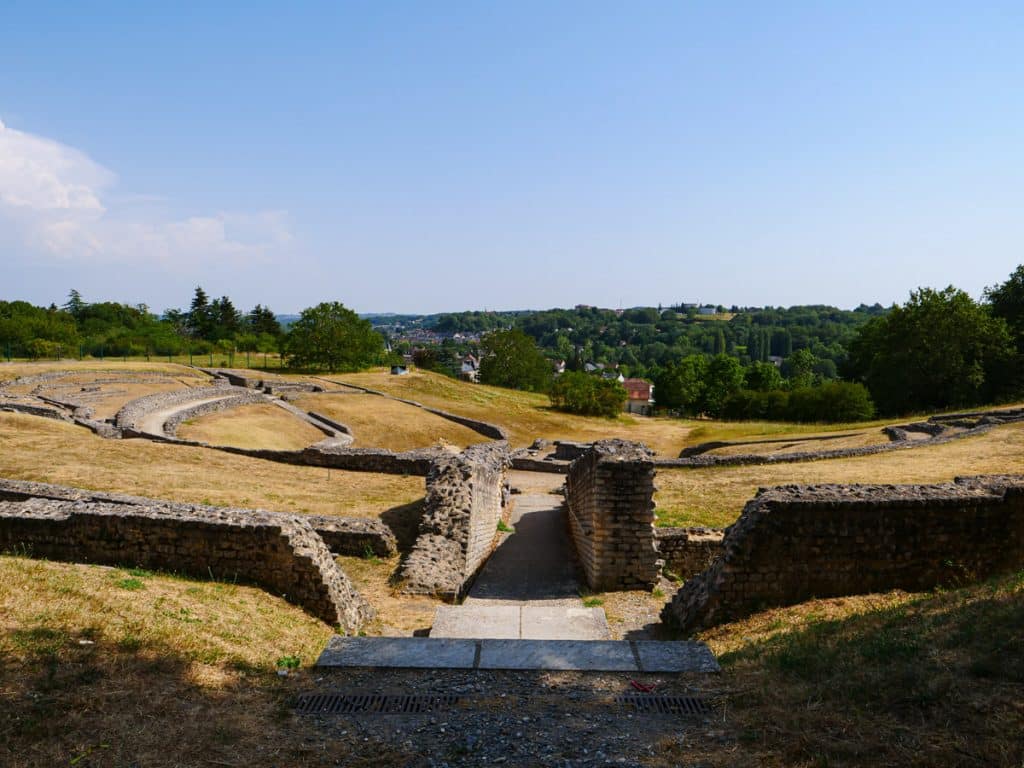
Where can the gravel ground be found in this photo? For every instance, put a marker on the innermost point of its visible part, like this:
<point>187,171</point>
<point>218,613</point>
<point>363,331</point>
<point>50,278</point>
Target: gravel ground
<point>528,718</point>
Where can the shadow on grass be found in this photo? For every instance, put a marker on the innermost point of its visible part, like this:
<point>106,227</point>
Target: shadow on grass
<point>934,681</point>
<point>71,696</point>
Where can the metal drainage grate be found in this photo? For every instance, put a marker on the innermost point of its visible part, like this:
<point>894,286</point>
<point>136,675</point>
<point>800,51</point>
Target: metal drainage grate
<point>650,704</point>
<point>372,704</point>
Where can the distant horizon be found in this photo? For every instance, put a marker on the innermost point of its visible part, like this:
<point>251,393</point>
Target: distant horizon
<point>244,307</point>
<point>420,158</point>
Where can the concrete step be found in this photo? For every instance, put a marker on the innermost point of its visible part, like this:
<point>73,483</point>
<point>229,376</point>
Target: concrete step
<point>520,622</point>
<point>562,655</point>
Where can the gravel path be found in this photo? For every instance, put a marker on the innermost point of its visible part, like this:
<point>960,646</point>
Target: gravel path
<point>558,719</point>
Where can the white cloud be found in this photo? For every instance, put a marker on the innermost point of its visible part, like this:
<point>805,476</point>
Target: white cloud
<point>55,202</point>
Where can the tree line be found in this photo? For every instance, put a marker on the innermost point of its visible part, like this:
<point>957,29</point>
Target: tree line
<point>940,349</point>
<point>328,336</point>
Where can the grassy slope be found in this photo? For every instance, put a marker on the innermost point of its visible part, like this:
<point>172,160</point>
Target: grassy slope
<point>715,496</point>
<point>525,415</point>
<point>49,451</point>
<point>104,667</point>
<point>378,422</point>
<point>260,425</point>
<point>13,370</point>
<point>878,680</point>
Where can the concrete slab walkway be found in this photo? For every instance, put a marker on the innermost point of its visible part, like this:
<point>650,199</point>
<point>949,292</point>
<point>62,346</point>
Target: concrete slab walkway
<point>565,655</point>
<point>528,588</point>
<point>533,564</point>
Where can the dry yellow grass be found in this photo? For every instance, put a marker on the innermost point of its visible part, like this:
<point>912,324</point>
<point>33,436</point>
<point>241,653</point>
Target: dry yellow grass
<point>260,425</point>
<point>525,415</point>
<point>879,679</point>
<point>715,495</point>
<point>115,388</point>
<point>378,422</point>
<point>106,667</point>
<point>14,370</point>
<point>49,451</point>
<point>800,442</point>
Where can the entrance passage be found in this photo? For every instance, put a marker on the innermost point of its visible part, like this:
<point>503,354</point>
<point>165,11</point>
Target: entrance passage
<point>528,589</point>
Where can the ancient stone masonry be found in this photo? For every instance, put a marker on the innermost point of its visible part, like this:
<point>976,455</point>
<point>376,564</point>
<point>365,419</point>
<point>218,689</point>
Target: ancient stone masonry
<point>335,456</point>
<point>270,385</point>
<point>280,553</point>
<point>939,430</point>
<point>466,494</point>
<point>795,543</point>
<point>350,536</point>
<point>688,551</point>
<point>610,493</point>
<point>203,409</point>
<point>131,417</point>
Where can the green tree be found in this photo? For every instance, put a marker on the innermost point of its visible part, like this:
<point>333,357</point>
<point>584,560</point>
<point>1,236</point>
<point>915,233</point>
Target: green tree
<point>332,337</point>
<point>681,385</point>
<point>512,359</point>
<point>1007,301</point>
<point>938,350</point>
<point>581,393</point>
<point>762,377</point>
<point>200,317</point>
<point>799,369</point>
<point>724,377</point>
<point>75,305</point>
<point>262,320</point>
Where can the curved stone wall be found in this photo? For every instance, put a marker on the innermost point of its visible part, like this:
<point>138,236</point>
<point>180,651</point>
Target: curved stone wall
<point>795,543</point>
<point>133,414</point>
<point>938,427</point>
<point>204,409</point>
<point>280,553</point>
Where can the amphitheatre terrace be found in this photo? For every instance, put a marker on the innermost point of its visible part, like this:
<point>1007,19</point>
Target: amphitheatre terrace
<point>402,526</point>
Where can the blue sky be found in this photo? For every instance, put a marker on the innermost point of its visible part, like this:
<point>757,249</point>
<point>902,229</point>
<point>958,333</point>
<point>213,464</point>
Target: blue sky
<point>442,156</point>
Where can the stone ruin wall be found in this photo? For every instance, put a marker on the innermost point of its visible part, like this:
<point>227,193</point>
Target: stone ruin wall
<point>610,492</point>
<point>688,551</point>
<point>466,496</point>
<point>795,543</point>
<point>280,553</point>
<point>347,536</point>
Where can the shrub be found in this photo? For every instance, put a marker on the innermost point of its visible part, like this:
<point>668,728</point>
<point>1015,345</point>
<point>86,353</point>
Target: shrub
<point>836,402</point>
<point>580,393</point>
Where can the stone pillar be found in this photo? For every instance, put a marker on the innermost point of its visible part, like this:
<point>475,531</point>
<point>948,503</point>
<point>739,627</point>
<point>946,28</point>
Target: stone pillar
<point>610,494</point>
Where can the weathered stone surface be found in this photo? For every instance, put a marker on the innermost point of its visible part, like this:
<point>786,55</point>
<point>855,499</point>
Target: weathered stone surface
<point>399,652</point>
<point>567,655</point>
<point>282,553</point>
<point>520,622</point>
<point>939,428</point>
<point>469,621</point>
<point>465,497</point>
<point>688,551</point>
<point>587,655</point>
<point>675,656</point>
<point>610,493</point>
<point>351,536</point>
<point>133,415</point>
<point>203,409</point>
<point>794,543</point>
